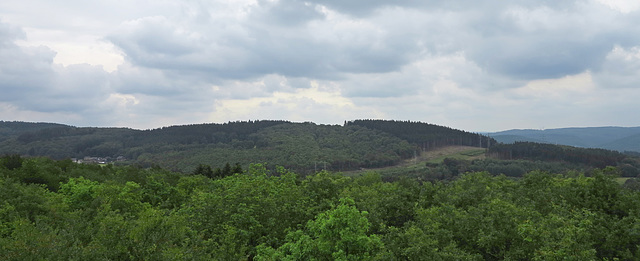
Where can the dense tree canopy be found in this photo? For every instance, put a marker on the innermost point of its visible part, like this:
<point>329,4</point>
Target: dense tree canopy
<point>598,158</point>
<point>58,210</point>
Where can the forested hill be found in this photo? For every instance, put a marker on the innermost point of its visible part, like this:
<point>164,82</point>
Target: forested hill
<point>424,134</point>
<point>303,147</point>
<point>10,129</point>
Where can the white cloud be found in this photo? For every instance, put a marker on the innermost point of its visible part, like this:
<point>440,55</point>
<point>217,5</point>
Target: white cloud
<point>623,6</point>
<point>556,89</point>
<point>621,69</point>
<point>318,103</point>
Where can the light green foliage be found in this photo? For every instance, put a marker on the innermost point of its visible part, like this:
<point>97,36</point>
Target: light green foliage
<point>337,234</point>
<point>79,192</point>
<point>157,235</point>
<point>388,204</point>
<point>560,236</point>
<point>243,211</point>
<point>158,191</point>
<point>26,200</point>
<point>28,213</point>
<point>542,217</point>
<point>476,188</point>
<point>123,199</point>
<point>323,190</point>
<point>29,242</point>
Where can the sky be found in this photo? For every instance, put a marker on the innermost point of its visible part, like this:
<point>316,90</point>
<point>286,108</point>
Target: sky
<point>473,65</point>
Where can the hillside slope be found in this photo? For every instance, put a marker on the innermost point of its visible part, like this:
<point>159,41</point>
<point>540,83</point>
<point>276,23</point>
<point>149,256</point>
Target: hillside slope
<point>303,147</point>
<point>12,129</point>
<point>426,136</point>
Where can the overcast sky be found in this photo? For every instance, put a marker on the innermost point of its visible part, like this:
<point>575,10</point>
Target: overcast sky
<point>473,65</point>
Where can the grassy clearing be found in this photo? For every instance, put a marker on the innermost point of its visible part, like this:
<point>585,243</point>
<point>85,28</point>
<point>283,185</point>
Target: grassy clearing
<point>434,156</point>
<point>621,181</point>
<point>458,152</point>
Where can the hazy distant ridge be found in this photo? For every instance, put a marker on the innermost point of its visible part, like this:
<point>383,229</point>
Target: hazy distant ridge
<point>612,138</point>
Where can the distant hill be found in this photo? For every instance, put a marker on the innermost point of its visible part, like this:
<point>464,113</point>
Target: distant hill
<point>611,138</point>
<point>629,143</point>
<point>508,139</point>
<point>302,147</point>
<point>11,129</point>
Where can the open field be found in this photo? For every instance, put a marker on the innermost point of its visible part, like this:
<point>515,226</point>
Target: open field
<point>621,180</point>
<point>433,156</point>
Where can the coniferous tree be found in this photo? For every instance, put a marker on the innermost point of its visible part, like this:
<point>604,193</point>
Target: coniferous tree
<point>226,171</point>
<point>237,169</point>
<point>204,170</point>
<point>11,162</point>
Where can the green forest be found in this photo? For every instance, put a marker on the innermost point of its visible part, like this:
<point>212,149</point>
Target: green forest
<point>277,190</point>
<point>298,146</point>
<point>301,147</point>
<point>60,210</point>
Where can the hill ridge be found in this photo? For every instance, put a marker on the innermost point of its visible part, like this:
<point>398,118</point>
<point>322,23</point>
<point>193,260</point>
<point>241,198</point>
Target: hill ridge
<point>606,137</point>
<point>296,145</point>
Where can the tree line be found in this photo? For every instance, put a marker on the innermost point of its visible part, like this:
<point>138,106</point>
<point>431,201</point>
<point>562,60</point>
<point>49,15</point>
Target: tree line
<point>598,158</point>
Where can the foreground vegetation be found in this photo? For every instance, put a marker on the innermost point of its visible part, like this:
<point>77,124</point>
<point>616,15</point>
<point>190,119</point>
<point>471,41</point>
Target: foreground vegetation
<point>59,210</point>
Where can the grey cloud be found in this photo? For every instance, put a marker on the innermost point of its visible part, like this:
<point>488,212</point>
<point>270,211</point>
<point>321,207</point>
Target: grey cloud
<point>301,57</point>
<point>159,43</point>
<point>566,44</point>
<point>251,49</point>
<point>29,79</point>
<point>621,69</point>
<point>362,8</point>
<point>407,82</point>
<point>76,88</point>
<point>141,80</point>
<point>546,39</point>
<point>531,59</point>
<point>23,70</point>
<point>8,34</point>
<point>542,42</point>
<point>154,39</point>
<point>286,12</point>
<point>528,40</point>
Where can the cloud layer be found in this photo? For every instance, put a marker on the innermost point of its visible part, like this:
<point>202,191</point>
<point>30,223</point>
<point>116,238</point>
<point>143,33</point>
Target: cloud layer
<point>477,66</point>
